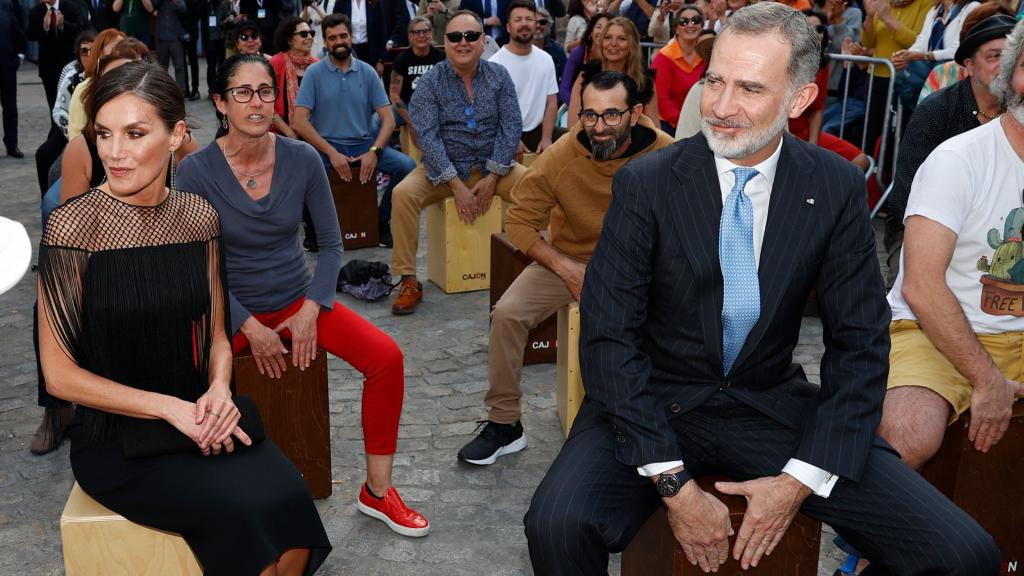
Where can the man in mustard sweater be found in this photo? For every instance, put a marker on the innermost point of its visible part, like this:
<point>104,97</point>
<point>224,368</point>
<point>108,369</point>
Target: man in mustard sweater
<point>570,187</point>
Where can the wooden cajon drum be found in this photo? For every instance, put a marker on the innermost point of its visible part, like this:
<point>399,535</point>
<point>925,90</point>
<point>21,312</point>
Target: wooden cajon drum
<point>569,395</point>
<point>356,205</point>
<point>457,256</point>
<point>986,486</point>
<point>654,551</point>
<point>295,413</point>
<point>98,541</point>
<point>507,262</point>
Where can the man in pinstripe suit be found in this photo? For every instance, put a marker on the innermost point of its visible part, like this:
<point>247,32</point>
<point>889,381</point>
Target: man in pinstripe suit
<point>691,310</point>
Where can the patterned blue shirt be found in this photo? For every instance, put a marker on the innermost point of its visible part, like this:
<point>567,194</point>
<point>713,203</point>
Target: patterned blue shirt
<point>457,135</point>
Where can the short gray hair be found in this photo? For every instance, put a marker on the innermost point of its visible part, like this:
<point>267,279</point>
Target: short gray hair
<point>421,20</point>
<point>1011,55</point>
<point>790,24</point>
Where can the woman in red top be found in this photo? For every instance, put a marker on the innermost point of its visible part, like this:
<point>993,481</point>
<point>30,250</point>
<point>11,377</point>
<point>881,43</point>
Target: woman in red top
<point>294,39</point>
<point>677,66</point>
<point>807,126</point>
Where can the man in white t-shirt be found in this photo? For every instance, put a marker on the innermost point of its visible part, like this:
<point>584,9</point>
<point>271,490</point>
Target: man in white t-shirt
<point>533,73</point>
<point>958,302</point>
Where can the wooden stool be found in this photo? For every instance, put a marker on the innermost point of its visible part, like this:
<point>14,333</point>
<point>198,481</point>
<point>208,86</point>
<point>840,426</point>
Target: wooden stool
<point>457,255</point>
<point>356,205</point>
<point>654,551</point>
<point>507,262</point>
<point>98,541</point>
<point>986,486</point>
<point>295,413</point>
<point>569,394</point>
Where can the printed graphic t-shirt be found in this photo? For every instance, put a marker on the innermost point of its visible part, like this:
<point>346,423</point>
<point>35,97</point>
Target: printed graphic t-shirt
<point>973,184</point>
<point>411,67</point>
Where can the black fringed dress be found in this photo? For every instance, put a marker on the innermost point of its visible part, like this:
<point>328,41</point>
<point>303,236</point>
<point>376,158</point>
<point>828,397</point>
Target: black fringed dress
<point>131,293</point>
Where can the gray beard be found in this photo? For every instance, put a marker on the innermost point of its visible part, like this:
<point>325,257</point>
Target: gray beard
<point>604,150</point>
<point>744,144</point>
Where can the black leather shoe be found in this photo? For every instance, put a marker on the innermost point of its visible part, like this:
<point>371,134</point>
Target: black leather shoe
<point>15,153</point>
<point>194,95</point>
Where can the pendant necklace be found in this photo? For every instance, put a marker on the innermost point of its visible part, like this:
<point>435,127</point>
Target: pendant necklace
<point>251,182</point>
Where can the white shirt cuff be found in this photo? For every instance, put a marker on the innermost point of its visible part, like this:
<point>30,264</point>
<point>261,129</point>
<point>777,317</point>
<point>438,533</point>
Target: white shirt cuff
<point>819,481</point>
<point>656,468</point>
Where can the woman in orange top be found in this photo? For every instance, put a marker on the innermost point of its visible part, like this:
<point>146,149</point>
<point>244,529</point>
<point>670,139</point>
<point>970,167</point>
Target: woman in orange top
<point>677,66</point>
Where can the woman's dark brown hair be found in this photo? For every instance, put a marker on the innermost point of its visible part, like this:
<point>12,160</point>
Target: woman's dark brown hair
<point>126,49</point>
<point>144,80</point>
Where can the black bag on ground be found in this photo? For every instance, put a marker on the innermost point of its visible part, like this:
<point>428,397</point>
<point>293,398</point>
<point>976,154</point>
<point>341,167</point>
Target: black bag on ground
<point>365,280</point>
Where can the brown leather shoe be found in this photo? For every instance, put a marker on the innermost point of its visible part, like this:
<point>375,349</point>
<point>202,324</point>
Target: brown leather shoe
<point>50,434</point>
<point>409,295</point>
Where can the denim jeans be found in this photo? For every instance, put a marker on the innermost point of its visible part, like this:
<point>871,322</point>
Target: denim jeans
<point>834,115</point>
<point>391,161</point>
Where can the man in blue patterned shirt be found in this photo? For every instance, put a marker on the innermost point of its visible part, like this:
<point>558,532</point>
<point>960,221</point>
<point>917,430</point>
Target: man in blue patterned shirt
<point>466,114</point>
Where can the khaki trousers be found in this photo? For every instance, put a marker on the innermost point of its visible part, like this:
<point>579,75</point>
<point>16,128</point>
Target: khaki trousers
<point>415,193</point>
<point>533,296</point>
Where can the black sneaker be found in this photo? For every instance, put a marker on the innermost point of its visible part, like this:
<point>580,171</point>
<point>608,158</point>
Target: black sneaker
<point>494,440</point>
<point>309,242</point>
<point>385,235</point>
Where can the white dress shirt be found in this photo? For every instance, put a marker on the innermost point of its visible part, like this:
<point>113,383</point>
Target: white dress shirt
<point>359,32</point>
<point>759,191</point>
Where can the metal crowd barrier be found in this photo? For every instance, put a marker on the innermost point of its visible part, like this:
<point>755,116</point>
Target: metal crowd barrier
<point>892,117</point>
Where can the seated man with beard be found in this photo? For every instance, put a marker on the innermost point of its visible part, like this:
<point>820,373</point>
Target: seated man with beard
<point>690,312</point>
<point>570,187</point>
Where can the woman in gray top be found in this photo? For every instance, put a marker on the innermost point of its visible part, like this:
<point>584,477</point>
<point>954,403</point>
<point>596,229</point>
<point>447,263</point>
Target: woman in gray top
<point>260,183</point>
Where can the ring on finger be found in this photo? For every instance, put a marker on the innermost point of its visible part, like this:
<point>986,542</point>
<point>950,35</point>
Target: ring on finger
<point>767,539</point>
<point>215,413</point>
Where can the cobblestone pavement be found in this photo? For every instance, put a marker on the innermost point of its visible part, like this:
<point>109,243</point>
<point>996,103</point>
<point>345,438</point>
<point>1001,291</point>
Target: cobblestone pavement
<point>476,512</point>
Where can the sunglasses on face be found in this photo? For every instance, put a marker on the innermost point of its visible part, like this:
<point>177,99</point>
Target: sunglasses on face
<point>542,22</point>
<point>305,33</point>
<point>695,20</point>
<point>84,51</point>
<point>820,28</point>
<point>423,32</point>
<point>470,36</point>
<point>250,36</point>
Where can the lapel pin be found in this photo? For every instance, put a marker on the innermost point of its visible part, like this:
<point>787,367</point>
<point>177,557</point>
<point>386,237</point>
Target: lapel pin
<point>809,201</point>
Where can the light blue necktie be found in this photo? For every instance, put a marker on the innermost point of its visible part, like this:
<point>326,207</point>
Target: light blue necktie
<point>742,303</point>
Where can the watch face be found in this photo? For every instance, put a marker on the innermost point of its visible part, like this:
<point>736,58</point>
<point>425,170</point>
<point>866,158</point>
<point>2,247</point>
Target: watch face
<point>668,485</point>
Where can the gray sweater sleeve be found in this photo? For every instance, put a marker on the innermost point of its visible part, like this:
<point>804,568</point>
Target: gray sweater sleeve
<point>320,203</point>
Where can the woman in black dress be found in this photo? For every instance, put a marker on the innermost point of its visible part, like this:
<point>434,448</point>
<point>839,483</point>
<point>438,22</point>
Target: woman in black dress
<point>132,314</point>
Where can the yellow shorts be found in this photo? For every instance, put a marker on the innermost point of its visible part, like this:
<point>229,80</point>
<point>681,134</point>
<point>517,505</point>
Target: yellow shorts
<point>914,361</point>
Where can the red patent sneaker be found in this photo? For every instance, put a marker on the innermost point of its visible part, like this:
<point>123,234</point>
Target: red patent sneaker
<point>392,511</point>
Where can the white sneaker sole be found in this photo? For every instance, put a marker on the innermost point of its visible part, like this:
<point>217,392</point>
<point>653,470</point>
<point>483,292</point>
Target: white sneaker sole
<point>511,448</point>
<point>404,531</point>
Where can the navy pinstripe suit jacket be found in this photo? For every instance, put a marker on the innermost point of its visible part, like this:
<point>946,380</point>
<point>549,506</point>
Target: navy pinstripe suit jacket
<point>651,316</point>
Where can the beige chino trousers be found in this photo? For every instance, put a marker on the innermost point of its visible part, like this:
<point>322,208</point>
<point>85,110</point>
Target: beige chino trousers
<point>533,296</point>
<point>414,193</point>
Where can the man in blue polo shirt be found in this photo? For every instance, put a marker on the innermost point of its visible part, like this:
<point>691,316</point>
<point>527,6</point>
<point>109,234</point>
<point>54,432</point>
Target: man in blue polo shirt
<point>334,113</point>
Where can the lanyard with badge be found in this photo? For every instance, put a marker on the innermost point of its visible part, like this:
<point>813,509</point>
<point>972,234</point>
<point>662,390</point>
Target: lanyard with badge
<point>261,13</point>
<point>212,21</point>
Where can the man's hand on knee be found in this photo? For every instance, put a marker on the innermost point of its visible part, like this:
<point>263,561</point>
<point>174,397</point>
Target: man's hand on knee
<point>700,523</point>
<point>991,408</point>
<point>772,502</point>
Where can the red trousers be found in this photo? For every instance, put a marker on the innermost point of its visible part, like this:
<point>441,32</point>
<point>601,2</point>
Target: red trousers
<point>368,349</point>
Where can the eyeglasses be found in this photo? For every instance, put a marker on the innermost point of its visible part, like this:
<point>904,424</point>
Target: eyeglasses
<point>542,22</point>
<point>305,33</point>
<point>695,20</point>
<point>84,51</point>
<point>250,36</point>
<point>420,32</point>
<point>611,117</point>
<point>470,117</point>
<point>243,94</point>
<point>470,36</point>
